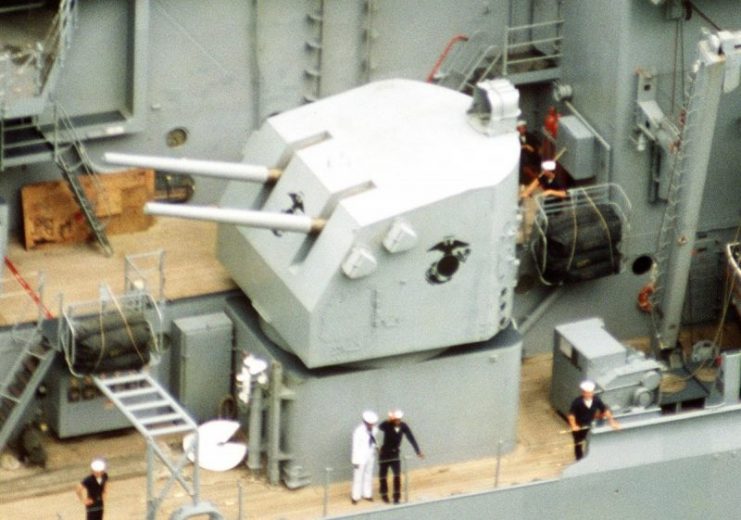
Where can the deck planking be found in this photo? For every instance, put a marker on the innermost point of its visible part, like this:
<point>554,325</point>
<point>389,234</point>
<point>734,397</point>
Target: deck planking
<point>35,494</point>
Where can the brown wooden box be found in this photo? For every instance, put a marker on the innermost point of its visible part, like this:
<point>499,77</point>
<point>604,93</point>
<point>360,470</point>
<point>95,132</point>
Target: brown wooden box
<point>51,214</point>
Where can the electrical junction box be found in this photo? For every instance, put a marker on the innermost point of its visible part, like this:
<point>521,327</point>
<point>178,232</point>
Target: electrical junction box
<point>201,357</point>
<point>579,157</point>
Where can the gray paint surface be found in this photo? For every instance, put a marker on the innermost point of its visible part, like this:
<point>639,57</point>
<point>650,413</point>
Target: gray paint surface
<point>434,393</point>
<point>219,68</point>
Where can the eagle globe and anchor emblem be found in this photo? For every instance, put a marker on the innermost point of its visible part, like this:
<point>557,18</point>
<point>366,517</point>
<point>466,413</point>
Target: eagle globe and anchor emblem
<point>297,208</point>
<point>454,253</point>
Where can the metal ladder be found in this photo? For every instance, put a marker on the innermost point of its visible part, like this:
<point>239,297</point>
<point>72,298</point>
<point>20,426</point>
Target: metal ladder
<point>315,45</point>
<point>72,160</point>
<point>19,387</point>
<point>667,232</point>
<point>154,413</point>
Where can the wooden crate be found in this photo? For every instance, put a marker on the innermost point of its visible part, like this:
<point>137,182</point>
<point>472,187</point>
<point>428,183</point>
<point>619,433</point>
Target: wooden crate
<point>51,214</point>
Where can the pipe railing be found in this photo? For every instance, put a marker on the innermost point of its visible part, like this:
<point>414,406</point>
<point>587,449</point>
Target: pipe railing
<point>531,44</point>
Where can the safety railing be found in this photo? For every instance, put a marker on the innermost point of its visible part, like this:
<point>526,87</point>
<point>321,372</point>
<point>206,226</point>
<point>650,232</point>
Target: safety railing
<point>80,318</point>
<point>532,52</point>
<point>145,272</point>
<point>601,203</point>
<point>26,72</point>
<point>21,298</point>
<point>245,494</point>
<point>465,61</point>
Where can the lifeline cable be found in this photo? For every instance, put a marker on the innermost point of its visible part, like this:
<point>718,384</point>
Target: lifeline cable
<point>693,7</point>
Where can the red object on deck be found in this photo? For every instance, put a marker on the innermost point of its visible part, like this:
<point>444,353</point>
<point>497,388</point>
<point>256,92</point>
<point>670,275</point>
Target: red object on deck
<point>23,283</point>
<point>551,122</point>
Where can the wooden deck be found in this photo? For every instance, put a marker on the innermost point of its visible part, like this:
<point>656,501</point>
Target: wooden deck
<point>77,271</point>
<point>35,494</point>
<point>191,269</point>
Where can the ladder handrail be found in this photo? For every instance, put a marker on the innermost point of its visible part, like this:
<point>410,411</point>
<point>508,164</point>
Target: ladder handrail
<point>176,413</point>
<point>443,55</point>
<point>70,172</point>
<point>556,25</point>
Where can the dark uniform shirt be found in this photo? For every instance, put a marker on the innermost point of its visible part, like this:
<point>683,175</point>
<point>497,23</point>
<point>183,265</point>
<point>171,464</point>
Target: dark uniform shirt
<point>392,437</point>
<point>585,415</point>
<point>95,490</point>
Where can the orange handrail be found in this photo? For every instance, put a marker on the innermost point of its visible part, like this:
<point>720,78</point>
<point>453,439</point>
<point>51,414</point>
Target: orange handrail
<point>455,39</point>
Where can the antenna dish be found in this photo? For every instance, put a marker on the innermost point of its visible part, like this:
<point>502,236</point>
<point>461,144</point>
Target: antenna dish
<point>215,452</point>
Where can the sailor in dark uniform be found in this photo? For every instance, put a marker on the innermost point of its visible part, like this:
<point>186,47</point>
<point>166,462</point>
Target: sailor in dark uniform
<point>93,489</point>
<point>529,154</point>
<point>585,409</point>
<point>390,457</point>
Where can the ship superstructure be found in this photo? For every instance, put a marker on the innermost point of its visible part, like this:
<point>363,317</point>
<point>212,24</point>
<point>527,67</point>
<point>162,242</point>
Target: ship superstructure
<point>363,162</point>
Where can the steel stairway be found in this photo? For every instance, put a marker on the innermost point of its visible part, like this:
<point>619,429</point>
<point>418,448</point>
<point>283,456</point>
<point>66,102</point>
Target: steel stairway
<point>72,160</point>
<point>154,413</point>
<point>530,53</point>
<point>20,385</point>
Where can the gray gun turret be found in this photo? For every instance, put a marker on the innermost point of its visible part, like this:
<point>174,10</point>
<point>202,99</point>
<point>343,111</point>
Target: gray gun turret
<point>392,216</point>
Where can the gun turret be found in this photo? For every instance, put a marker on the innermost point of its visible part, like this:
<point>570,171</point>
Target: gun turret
<point>415,196</point>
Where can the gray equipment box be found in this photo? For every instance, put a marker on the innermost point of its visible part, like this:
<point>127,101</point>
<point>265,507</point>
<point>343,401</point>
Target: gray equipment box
<point>73,405</point>
<point>201,357</point>
<point>626,379</point>
<point>580,158</point>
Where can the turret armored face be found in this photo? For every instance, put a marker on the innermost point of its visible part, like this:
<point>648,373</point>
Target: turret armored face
<point>416,189</point>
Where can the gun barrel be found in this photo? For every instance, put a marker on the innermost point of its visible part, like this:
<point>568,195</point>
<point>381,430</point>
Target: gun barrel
<point>219,169</point>
<point>239,217</point>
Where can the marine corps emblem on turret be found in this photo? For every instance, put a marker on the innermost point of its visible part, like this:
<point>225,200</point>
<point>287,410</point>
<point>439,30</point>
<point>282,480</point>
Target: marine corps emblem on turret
<point>454,252</point>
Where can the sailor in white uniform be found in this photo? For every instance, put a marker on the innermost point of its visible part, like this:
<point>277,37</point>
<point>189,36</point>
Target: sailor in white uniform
<point>364,454</point>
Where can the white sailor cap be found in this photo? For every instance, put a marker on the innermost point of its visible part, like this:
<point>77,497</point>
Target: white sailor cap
<point>97,465</point>
<point>587,386</point>
<point>549,166</point>
<point>370,417</point>
<point>396,414</point>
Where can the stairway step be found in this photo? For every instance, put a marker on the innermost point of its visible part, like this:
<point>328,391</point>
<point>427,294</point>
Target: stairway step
<point>124,379</point>
<point>183,428</point>
<point>135,392</point>
<point>8,397</point>
<point>149,405</point>
<point>158,419</point>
